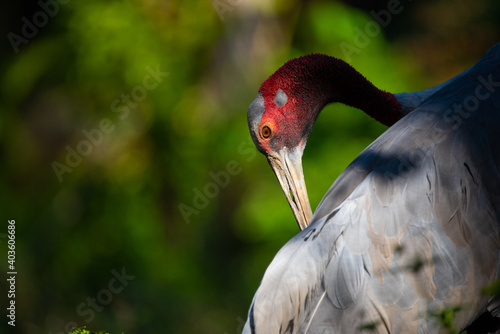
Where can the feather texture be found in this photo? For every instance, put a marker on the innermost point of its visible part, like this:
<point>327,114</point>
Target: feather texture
<point>411,227</point>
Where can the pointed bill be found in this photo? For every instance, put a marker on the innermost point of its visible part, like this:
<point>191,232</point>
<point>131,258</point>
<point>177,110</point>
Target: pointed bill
<point>287,165</point>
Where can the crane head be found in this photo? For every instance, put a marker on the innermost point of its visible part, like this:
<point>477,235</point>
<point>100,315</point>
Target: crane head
<point>271,135</point>
<point>280,120</point>
<point>282,115</point>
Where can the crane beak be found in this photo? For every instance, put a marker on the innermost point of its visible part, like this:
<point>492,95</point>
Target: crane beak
<point>287,165</point>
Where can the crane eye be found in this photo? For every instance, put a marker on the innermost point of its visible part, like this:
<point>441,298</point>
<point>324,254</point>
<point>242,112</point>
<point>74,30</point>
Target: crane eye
<point>266,131</point>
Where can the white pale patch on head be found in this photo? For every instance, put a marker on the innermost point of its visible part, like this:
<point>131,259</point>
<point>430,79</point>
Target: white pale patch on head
<point>280,98</point>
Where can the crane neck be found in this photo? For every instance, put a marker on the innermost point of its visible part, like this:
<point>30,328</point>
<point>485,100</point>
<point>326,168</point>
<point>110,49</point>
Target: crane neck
<point>309,83</point>
<point>346,85</point>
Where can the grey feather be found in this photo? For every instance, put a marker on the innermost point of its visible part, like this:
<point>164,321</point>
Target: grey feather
<point>411,227</point>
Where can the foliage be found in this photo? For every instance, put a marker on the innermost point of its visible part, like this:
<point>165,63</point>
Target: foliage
<point>446,318</point>
<point>492,289</point>
<point>83,330</point>
<point>152,96</point>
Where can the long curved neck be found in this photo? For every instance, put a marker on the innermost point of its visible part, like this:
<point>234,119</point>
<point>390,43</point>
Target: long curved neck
<point>356,91</point>
<point>328,79</point>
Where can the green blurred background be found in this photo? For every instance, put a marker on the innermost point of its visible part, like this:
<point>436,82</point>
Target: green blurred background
<point>141,200</point>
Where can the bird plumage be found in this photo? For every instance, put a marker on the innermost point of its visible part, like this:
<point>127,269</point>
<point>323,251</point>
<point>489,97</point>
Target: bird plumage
<point>409,229</point>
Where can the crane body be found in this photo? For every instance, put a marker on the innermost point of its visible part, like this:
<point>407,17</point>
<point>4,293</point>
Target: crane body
<point>409,230</point>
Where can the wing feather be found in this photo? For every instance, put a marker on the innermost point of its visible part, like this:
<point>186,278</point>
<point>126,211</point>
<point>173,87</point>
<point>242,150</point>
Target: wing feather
<point>411,227</point>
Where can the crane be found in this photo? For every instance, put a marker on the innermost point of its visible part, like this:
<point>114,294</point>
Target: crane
<point>410,230</point>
